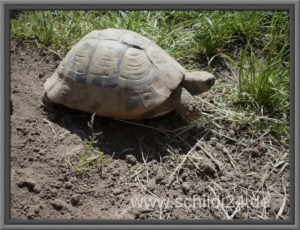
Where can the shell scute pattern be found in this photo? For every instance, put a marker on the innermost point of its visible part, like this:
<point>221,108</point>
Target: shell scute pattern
<point>116,72</point>
<point>76,64</point>
<point>104,69</point>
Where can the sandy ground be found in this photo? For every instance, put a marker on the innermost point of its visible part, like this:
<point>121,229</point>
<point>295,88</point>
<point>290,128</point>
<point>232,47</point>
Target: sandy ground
<point>155,170</point>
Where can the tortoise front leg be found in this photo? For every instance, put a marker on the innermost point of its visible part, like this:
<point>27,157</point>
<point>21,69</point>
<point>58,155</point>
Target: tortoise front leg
<point>185,104</point>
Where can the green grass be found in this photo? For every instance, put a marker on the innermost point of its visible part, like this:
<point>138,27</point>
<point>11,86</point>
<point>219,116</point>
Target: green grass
<point>257,42</point>
<point>184,34</point>
<point>263,74</point>
<point>87,157</point>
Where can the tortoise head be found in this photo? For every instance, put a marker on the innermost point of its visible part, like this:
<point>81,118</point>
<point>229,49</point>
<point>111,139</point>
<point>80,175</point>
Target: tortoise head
<point>198,82</point>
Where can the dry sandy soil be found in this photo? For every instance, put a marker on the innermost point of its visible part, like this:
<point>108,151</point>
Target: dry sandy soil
<point>158,169</point>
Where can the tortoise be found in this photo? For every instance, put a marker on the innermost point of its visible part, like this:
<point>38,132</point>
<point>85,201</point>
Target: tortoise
<point>121,74</point>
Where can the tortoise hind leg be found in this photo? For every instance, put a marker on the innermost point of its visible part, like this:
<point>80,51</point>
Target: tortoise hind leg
<point>46,103</point>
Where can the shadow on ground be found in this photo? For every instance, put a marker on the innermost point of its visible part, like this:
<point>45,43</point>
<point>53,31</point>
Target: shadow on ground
<point>154,137</point>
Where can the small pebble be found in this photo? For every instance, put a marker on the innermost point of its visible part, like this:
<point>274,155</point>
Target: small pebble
<point>41,74</point>
<point>225,179</point>
<point>117,191</point>
<point>208,167</point>
<point>37,188</point>
<point>58,204</point>
<point>58,184</point>
<point>184,176</point>
<point>116,172</point>
<point>213,141</point>
<point>130,159</point>
<point>254,152</point>
<point>31,215</point>
<point>36,210</point>
<point>73,180</point>
<point>159,176</point>
<point>54,192</point>
<point>231,132</point>
<point>230,174</point>
<point>68,185</point>
<point>152,184</point>
<point>185,187</point>
<point>263,147</point>
<point>75,199</point>
<point>200,189</point>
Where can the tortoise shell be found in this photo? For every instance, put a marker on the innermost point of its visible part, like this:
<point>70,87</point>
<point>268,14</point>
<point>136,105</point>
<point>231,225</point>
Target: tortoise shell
<point>114,73</point>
